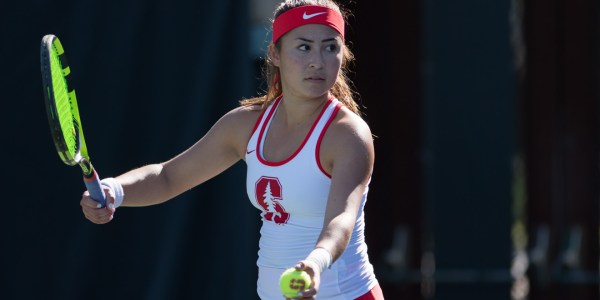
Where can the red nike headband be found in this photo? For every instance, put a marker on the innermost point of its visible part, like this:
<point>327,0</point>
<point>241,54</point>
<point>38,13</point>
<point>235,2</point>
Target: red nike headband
<point>303,15</point>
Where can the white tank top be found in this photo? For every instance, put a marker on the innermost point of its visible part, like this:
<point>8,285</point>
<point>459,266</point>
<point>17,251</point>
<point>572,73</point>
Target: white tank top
<point>292,196</point>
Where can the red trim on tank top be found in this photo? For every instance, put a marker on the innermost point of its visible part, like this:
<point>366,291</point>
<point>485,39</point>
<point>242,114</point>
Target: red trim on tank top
<point>318,147</point>
<point>260,118</point>
<point>259,154</point>
<point>374,294</point>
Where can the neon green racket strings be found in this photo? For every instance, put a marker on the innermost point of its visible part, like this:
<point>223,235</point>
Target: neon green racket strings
<point>61,96</point>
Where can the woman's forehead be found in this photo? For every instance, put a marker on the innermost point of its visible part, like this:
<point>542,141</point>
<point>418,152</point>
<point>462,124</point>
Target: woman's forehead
<point>314,32</point>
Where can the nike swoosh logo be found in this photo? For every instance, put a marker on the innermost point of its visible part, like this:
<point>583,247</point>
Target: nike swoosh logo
<point>306,17</point>
<point>248,152</point>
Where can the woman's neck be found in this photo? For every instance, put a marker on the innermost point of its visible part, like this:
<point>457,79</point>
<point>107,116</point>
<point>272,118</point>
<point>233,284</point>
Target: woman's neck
<point>294,111</point>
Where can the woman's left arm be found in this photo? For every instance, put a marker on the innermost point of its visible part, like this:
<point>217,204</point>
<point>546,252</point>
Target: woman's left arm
<point>351,161</point>
<point>347,153</point>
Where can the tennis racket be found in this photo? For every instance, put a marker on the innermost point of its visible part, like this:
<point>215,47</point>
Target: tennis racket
<point>63,114</point>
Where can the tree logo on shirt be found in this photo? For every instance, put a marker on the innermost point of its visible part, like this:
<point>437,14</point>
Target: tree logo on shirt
<point>269,197</point>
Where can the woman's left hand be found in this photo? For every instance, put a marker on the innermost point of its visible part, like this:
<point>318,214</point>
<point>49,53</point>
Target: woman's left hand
<point>313,270</point>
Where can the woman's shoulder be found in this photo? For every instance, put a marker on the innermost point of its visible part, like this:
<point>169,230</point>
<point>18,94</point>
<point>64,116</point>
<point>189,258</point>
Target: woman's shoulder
<point>349,124</point>
<point>237,125</point>
<point>243,114</point>
<point>348,138</point>
<point>347,131</point>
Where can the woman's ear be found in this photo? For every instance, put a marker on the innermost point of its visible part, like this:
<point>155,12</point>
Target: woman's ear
<point>274,54</point>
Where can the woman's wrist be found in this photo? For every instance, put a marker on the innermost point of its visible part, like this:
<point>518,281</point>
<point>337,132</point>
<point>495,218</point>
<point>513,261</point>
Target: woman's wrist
<point>321,257</point>
<point>117,189</point>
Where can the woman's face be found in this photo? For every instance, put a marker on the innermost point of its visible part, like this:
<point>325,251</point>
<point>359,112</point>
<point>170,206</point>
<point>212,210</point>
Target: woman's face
<point>309,60</point>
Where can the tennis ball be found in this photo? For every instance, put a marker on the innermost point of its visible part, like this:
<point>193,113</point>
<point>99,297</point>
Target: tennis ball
<point>293,281</point>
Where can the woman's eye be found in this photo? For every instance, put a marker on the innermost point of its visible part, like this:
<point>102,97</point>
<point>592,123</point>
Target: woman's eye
<point>304,47</point>
<point>332,48</point>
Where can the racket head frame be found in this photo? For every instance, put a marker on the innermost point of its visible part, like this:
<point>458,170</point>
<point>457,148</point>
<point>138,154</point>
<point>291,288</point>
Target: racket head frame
<point>76,153</point>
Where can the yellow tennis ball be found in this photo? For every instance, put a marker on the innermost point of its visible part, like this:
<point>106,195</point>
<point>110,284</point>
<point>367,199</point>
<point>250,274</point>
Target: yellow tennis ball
<point>293,281</point>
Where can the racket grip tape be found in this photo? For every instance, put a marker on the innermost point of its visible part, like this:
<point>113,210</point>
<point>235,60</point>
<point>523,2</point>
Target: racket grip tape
<point>94,188</point>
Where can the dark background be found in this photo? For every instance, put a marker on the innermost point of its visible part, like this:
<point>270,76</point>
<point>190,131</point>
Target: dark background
<point>486,180</point>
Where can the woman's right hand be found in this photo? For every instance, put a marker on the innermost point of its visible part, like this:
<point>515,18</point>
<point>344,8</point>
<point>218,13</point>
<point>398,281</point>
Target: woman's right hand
<point>96,214</point>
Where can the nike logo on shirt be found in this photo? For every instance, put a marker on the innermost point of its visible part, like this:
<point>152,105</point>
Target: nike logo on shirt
<point>248,152</point>
<point>306,17</point>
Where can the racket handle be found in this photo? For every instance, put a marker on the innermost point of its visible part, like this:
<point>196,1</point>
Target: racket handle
<point>94,188</point>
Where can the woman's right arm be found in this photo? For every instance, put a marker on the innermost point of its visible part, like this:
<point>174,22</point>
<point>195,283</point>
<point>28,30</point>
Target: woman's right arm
<point>222,146</point>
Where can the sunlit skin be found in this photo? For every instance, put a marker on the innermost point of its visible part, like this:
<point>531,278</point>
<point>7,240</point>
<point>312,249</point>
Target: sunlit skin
<point>309,59</point>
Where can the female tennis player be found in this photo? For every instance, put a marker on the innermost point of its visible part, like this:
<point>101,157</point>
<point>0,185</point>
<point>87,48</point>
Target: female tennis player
<point>309,159</point>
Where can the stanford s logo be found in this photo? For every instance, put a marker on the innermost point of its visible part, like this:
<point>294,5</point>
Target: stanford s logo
<point>269,197</point>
